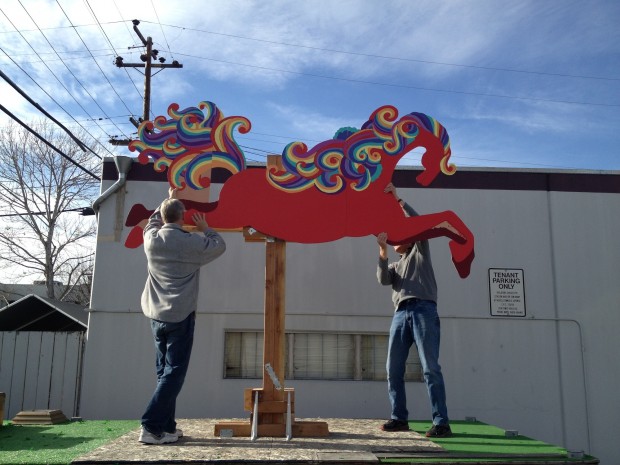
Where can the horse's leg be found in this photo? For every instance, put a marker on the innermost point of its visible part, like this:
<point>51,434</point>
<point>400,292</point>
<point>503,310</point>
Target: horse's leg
<point>135,237</point>
<point>440,224</point>
<point>191,208</point>
<point>138,218</point>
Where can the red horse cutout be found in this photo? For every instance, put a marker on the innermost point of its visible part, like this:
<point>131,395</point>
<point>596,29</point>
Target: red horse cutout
<point>334,190</point>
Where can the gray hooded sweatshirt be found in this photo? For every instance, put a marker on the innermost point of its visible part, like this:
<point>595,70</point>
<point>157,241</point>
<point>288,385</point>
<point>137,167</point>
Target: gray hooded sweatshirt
<point>412,276</point>
<point>174,259</point>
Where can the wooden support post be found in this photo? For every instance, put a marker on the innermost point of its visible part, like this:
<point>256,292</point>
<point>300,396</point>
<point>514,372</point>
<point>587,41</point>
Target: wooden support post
<point>273,349</point>
<point>273,396</point>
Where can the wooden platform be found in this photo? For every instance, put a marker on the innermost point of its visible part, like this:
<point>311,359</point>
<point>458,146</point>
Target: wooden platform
<point>349,441</point>
<point>39,417</point>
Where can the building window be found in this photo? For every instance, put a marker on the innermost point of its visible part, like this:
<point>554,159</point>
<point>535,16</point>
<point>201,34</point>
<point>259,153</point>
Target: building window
<point>328,356</point>
<point>322,356</point>
<point>243,355</point>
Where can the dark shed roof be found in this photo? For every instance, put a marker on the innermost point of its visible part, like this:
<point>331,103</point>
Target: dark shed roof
<point>35,313</point>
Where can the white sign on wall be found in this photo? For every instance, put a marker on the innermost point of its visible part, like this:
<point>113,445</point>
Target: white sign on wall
<point>507,294</point>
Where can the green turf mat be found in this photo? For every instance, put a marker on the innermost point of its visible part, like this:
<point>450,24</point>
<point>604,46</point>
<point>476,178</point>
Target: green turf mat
<point>478,437</point>
<point>487,444</point>
<point>57,444</point>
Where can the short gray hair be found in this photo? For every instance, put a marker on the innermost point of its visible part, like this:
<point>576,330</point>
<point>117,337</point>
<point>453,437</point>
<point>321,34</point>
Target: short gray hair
<point>172,210</point>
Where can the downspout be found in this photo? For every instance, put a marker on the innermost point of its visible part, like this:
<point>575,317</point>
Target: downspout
<point>123,165</point>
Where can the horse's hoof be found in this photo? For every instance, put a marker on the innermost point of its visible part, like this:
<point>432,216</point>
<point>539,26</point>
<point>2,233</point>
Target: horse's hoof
<point>134,239</point>
<point>462,257</point>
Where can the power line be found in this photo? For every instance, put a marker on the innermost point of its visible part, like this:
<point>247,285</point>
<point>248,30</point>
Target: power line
<point>404,86</point>
<point>49,69</point>
<point>65,65</point>
<point>525,163</point>
<point>48,143</point>
<point>59,105</point>
<point>289,138</point>
<point>102,73</point>
<point>59,27</point>
<point>386,57</point>
<point>162,29</point>
<point>344,52</point>
<point>92,12</point>
<point>123,20</point>
<point>84,211</point>
<point>42,110</point>
<point>63,52</point>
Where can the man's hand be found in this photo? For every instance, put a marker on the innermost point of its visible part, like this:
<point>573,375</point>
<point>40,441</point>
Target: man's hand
<point>382,241</point>
<point>200,221</point>
<point>172,192</point>
<point>390,189</point>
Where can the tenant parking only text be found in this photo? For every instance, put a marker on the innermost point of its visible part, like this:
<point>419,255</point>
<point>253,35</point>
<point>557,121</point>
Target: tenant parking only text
<point>506,289</point>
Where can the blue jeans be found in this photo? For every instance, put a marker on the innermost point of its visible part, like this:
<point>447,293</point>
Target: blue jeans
<point>416,322</point>
<point>173,347</point>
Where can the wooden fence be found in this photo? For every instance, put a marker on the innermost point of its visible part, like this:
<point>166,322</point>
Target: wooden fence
<point>41,371</point>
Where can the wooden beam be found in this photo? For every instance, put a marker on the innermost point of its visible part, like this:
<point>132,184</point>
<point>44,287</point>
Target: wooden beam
<point>316,429</point>
<point>272,402</point>
<point>274,325</point>
<point>275,406</point>
<point>274,162</point>
<point>252,235</point>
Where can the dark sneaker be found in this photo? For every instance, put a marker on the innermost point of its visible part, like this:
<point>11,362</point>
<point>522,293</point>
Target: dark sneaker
<point>395,425</point>
<point>439,431</point>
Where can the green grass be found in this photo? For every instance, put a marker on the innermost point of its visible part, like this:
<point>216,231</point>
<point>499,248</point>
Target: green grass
<point>57,444</point>
<point>481,440</point>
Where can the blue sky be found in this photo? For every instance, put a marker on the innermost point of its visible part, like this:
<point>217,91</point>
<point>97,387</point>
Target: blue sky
<point>525,84</point>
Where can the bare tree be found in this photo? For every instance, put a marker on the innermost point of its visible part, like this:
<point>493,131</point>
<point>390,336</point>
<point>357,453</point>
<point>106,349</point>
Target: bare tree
<point>42,233</point>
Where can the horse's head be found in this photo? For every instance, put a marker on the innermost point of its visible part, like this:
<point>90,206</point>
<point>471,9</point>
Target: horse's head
<point>434,138</point>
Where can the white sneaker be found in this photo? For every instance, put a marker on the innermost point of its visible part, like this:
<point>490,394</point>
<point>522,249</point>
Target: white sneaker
<point>150,438</point>
<point>178,432</point>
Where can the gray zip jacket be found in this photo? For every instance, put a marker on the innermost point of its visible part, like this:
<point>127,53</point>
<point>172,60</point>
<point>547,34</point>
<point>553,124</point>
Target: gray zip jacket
<point>174,259</point>
<point>412,276</point>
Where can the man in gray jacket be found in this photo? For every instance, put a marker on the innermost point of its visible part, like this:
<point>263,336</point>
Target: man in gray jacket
<point>170,299</point>
<point>415,321</point>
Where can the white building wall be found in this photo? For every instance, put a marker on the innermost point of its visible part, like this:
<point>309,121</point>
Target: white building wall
<point>551,375</point>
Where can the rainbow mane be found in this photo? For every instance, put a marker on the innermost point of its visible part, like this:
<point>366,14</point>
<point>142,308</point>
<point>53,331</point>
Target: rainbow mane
<point>353,158</point>
<point>190,143</point>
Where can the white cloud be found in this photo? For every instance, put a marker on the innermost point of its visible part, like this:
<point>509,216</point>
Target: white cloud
<point>551,37</point>
<point>309,124</point>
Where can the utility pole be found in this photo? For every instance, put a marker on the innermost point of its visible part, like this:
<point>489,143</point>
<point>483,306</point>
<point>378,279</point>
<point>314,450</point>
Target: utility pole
<point>147,63</point>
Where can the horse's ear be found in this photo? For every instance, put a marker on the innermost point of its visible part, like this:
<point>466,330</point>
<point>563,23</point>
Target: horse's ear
<point>344,133</point>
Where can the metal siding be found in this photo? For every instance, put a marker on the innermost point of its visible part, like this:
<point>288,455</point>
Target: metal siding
<point>587,260</point>
<point>533,374</point>
<point>18,378</point>
<point>58,362</point>
<point>7,354</point>
<point>119,366</point>
<point>31,368</point>
<point>45,371</point>
<point>70,374</point>
<point>31,378</point>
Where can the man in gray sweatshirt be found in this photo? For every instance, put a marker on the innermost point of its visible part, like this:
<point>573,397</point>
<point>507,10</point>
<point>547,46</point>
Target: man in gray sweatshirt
<point>170,300</point>
<point>415,321</point>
